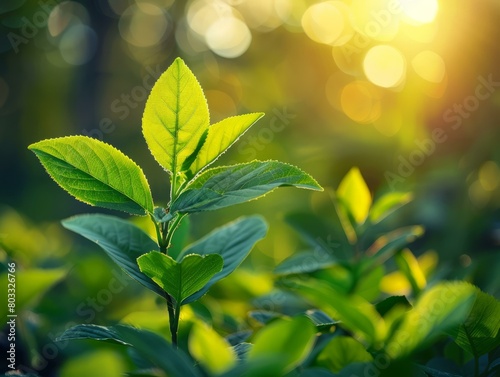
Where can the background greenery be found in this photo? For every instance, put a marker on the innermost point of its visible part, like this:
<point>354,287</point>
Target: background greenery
<point>86,67</point>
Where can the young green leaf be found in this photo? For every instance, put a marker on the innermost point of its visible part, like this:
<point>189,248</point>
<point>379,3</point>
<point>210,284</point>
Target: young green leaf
<point>355,195</point>
<point>284,343</point>
<point>210,349</point>
<point>442,308</point>
<point>228,185</point>
<point>180,279</point>
<point>220,137</point>
<point>122,241</point>
<point>387,204</point>
<point>480,332</point>
<point>355,313</point>
<point>342,351</point>
<point>305,262</point>
<point>233,242</point>
<point>95,173</point>
<point>175,117</point>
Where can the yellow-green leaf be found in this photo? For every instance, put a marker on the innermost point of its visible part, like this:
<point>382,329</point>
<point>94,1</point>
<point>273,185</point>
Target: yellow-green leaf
<point>221,136</point>
<point>355,195</point>
<point>95,173</point>
<point>175,117</point>
<point>210,349</point>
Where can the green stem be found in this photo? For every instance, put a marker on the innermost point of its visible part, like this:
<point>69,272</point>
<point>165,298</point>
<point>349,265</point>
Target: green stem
<point>174,323</point>
<point>172,228</point>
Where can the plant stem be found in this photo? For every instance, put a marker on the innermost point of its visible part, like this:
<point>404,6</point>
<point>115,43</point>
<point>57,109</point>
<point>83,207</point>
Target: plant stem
<point>172,228</point>
<point>174,324</point>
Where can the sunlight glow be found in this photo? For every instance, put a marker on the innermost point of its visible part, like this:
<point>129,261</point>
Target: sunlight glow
<point>385,66</point>
<point>228,37</point>
<point>323,22</point>
<point>422,11</point>
<point>361,102</point>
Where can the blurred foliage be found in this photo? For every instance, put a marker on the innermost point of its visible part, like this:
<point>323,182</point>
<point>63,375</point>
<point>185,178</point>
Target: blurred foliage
<point>79,67</point>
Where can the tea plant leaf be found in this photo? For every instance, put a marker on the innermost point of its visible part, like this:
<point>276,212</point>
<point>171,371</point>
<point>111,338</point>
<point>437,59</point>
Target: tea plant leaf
<point>355,195</point>
<point>221,136</point>
<point>410,268</point>
<point>148,345</point>
<point>342,351</point>
<point>180,279</point>
<point>305,262</point>
<point>95,173</point>
<point>480,332</point>
<point>228,185</point>
<point>322,320</point>
<point>442,308</point>
<point>103,333</point>
<point>210,349</point>
<point>355,313</point>
<point>233,242</point>
<point>175,117</point>
<point>283,343</point>
<point>122,241</point>
<point>387,204</point>
<point>386,305</point>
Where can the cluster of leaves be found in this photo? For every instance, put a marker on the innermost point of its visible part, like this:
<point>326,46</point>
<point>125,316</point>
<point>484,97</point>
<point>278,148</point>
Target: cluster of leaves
<point>331,319</point>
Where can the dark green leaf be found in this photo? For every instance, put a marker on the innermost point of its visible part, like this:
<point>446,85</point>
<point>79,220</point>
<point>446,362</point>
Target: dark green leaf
<point>322,320</point>
<point>385,306</point>
<point>228,185</point>
<point>305,262</point>
<point>263,316</point>
<point>122,241</point>
<point>232,242</point>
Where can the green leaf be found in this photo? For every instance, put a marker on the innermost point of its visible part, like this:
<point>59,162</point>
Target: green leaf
<point>387,245</point>
<point>479,333</point>
<point>95,173</point>
<point>409,267</point>
<point>220,137</point>
<point>122,241</point>
<point>180,279</point>
<point>386,305</point>
<point>148,345</point>
<point>306,262</point>
<point>322,320</point>
<point>175,117</point>
<point>342,351</point>
<point>284,343</point>
<point>387,204</point>
<point>355,313</point>
<point>441,308</point>
<point>210,349</point>
<point>355,195</point>
<point>30,285</point>
<point>228,185</point>
<point>233,242</point>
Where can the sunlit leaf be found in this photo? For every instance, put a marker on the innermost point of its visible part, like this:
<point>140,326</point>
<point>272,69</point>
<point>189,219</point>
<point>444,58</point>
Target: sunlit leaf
<point>233,242</point>
<point>220,137</point>
<point>228,185</point>
<point>441,308</point>
<point>175,116</point>
<point>122,241</point>
<point>480,332</point>
<point>410,268</point>
<point>95,173</point>
<point>342,351</point>
<point>355,313</point>
<point>180,279</point>
<point>386,305</point>
<point>355,195</point>
<point>284,343</point>
<point>387,204</point>
<point>101,363</point>
<point>210,349</point>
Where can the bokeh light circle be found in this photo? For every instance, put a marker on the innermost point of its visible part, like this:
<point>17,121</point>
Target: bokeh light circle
<point>385,66</point>
<point>430,66</point>
<point>228,37</point>
<point>323,22</point>
<point>361,102</point>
